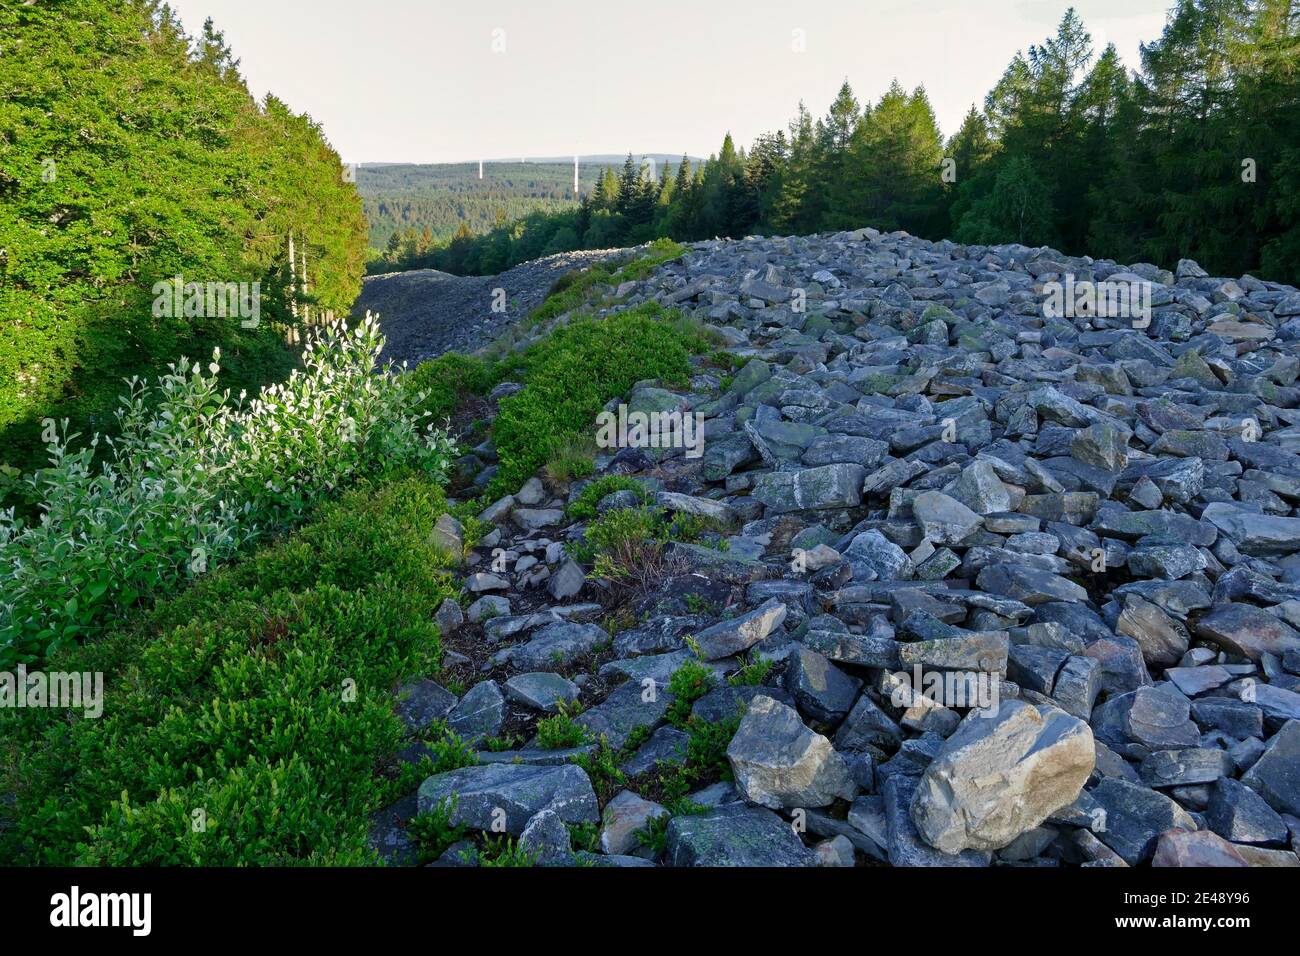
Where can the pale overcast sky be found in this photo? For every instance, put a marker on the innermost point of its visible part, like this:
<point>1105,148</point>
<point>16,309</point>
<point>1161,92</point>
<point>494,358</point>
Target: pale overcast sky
<point>443,81</point>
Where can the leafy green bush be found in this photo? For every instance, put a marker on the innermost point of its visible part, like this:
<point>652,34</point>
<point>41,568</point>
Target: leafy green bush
<point>193,477</point>
<point>561,730</point>
<point>244,719</point>
<point>447,380</point>
<point>434,832</point>
<point>626,544</point>
<point>584,506</point>
<point>753,672</point>
<point>688,684</point>
<point>573,372</point>
<point>503,851</point>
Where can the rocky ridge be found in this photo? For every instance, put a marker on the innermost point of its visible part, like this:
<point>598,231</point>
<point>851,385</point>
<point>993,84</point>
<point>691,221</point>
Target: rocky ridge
<point>1086,529</point>
<point>424,312</point>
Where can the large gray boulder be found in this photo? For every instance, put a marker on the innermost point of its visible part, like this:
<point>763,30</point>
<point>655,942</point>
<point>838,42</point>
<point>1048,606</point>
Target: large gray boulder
<point>1000,775</point>
<point>778,762</point>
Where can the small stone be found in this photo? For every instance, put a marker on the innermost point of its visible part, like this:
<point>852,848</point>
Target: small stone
<point>448,536</point>
<point>518,791</point>
<point>821,690</point>
<point>546,840</point>
<point>486,607</point>
<point>567,580</point>
<point>625,815</point>
<point>422,702</point>
<point>730,637</point>
<point>1237,813</point>
<point>1201,848</point>
<point>540,690</point>
<point>734,835</point>
<point>449,616</point>
<point>481,581</point>
<point>943,520</point>
<point>837,851</point>
<point>1275,776</point>
<point>480,713</point>
<point>1132,817</point>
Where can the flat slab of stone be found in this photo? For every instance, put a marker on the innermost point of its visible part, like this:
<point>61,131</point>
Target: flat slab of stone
<point>541,690</point>
<point>557,645</point>
<point>735,835</point>
<point>1132,818</point>
<point>829,486</point>
<point>734,635</point>
<point>420,703</point>
<point>516,790</point>
<point>628,707</point>
<point>1248,631</point>
<point>1276,775</point>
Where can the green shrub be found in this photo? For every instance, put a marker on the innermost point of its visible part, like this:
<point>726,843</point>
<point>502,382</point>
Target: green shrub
<point>584,506</point>
<point>561,730</point>
<point>654,835</point>
<point>448,380</point>
<point>572,373</point>
<point>191,479</point>
<point>503,851</point>
<point>753,672</point>
<point>602,769</point>
<point>626,544</point>
<point>257,703</point>
<point>688,684</point>
<point>584,837</point>
<point>434,832</point>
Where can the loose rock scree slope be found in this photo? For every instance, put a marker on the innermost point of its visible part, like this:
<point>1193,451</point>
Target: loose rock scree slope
<point>1085,533</point>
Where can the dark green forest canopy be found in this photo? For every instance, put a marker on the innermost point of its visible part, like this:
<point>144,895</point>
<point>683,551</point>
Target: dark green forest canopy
<point>131,153</point>
<point>1193,155</point>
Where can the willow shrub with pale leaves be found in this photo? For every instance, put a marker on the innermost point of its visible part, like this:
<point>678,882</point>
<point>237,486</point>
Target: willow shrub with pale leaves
<point>193,477</point>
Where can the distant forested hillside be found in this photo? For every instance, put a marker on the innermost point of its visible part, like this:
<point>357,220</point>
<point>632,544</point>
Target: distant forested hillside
<point>428,203</point>
<point>413,207</point>
<point>1194,155</point>
<point>132,153</point>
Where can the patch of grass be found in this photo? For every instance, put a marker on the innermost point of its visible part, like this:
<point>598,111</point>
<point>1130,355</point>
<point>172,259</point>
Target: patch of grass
<point>571,457</point>
<point>573,372</point>
<point>657,253</point>
<point>561,731</point>
<point>246,718</point>
<point>501,744</point>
